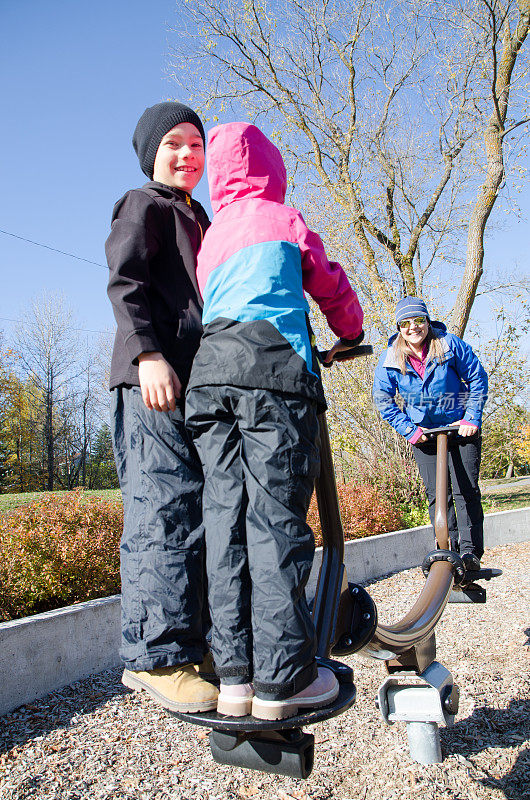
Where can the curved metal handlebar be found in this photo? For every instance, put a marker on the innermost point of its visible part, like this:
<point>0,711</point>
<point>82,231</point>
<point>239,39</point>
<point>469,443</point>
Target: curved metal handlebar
<point>391,641</point>
<point>387,641</point>
<point>448,429</point>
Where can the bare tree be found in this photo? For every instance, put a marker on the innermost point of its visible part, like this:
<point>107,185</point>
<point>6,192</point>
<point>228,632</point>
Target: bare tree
<point>350,89</point>
<point>101,376</point>
<point>380,106</point>
<point>48,347</point>
<point>382,111</point>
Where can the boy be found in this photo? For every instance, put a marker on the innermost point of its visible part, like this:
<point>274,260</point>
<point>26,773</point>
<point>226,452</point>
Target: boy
<point>151,251</point>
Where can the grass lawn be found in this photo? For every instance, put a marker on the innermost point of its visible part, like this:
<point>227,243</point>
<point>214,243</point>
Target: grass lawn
<point>498,495</point>
<point>8,502</point>
<point>506,500</point>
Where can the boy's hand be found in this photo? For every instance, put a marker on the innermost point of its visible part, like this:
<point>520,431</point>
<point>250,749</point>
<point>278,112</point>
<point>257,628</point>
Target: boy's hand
<point>158,381</point>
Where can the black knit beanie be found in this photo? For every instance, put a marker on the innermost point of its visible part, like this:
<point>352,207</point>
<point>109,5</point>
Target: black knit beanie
<point>153,125</point>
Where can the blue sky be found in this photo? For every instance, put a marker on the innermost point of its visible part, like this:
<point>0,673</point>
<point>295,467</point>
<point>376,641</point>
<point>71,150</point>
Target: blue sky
<point>76,78</point>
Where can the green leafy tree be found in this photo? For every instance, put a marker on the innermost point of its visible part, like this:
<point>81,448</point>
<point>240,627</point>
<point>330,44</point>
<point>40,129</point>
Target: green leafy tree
<point>19,445</point>
<point>502,453</point>
<point>101,466</point>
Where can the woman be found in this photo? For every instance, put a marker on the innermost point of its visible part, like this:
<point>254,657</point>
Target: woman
<point>441,382</point>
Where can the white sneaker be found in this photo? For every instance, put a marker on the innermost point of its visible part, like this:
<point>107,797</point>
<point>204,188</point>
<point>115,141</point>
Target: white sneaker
<point>321,692</point>
<point>235,700</point>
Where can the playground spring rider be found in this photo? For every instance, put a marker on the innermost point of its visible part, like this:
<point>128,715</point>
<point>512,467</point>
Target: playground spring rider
<point>418,690</point>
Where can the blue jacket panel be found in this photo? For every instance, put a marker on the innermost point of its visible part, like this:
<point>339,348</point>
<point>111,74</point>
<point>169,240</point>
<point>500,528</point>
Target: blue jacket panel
<point>262,282</point>
<point>454,387</point>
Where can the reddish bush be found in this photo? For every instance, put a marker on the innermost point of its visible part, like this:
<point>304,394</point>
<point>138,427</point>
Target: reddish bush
<point>364,512</point>
<point>57,551</point>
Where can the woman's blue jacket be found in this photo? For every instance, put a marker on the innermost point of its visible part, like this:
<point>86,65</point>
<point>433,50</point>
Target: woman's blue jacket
<point>454,387</point>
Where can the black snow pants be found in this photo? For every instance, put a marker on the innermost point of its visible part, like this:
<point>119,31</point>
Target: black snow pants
<point>163,601</point>
<point>463,456</point>
<point>260,459</point>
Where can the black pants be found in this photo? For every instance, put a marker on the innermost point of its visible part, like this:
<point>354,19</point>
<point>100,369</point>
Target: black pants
<point>465,516</point>
<point>163,601</point>
<point>260,459</point>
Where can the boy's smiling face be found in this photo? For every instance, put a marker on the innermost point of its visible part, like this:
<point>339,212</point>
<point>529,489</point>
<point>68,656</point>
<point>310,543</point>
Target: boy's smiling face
<point>179,159</point>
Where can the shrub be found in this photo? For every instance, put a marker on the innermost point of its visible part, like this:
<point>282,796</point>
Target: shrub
<point>415,516</point>
<point>364,512</point>
<point>58,551</point>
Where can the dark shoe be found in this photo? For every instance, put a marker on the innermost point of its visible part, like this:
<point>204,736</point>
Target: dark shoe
<point>471,562</point>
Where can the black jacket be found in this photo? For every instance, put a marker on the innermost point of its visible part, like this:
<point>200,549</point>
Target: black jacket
<point>152,254</point>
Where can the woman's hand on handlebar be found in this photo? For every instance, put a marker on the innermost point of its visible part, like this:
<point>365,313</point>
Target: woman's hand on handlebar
<point>466,429</point>
<point>422,439</point>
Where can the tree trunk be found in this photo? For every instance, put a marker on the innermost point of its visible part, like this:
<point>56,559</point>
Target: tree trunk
<point>19,464</point>
<point>49,433</point>
<point>488,193</point>
<point>477,225</point>
<point>85,445</point>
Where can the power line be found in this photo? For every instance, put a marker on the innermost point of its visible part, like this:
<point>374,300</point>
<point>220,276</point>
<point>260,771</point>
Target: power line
<point>81,330</point>
<point>55,249</point>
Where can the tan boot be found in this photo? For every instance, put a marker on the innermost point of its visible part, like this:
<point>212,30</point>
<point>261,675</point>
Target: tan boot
<point>175,688</point>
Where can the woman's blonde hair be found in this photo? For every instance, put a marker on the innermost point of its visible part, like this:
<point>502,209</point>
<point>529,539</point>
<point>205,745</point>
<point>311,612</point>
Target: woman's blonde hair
<point>402,350</point>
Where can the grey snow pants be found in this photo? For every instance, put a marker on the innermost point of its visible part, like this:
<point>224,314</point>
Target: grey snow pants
<point>260,460</point>
<point>463,458</point>
<point>163,601</point>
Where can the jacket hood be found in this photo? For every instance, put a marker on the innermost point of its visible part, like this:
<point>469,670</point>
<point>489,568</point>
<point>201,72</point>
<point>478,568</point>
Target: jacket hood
<point>243,163</point>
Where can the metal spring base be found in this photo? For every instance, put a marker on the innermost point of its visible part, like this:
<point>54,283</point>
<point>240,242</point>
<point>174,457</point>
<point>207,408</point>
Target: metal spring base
<point>424,742</point>
<point>290,752</point>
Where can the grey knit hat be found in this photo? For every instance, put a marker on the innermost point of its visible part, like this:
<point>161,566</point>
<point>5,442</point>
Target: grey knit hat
<point>153,125</point>
<point>411,307</point>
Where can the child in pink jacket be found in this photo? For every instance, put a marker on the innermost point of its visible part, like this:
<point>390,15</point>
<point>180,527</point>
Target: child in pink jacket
<point>252,405</point>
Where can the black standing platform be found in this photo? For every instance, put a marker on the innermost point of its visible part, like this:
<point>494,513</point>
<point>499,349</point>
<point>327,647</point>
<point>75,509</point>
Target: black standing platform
<point>218,722</point>
<point>278,746</point>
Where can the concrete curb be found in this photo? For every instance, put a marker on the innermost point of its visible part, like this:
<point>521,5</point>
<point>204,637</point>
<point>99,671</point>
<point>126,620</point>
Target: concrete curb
<point>48,651</point>
<point>370,558</point>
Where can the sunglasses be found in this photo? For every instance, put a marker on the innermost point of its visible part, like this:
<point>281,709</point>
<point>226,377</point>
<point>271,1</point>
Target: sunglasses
<point>417,321</point>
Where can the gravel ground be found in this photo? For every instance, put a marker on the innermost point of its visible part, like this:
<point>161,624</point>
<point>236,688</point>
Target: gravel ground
<point>97,740</point>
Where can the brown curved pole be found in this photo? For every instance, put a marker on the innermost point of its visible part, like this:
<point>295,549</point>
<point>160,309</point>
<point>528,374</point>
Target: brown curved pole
<point>423,617</point>
<point>388,641</point>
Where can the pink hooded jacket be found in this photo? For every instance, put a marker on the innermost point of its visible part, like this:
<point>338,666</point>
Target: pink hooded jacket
<point>257,259</point>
